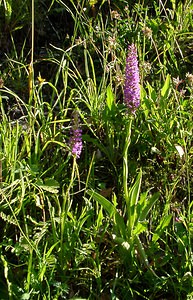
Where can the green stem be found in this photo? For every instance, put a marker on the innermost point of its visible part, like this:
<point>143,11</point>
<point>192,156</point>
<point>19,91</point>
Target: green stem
<point>65,208</point>
<point>125,157</point>
<point>31,70</point>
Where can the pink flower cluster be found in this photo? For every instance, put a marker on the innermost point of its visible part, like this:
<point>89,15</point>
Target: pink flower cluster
<point>75,141</point>
<point>132,87</point>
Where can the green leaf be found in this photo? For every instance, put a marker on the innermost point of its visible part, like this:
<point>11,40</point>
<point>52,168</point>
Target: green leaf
<point>142,254</point>
<point>8,9</point>
<point>148,205</point>
<point>139,228</point>
<point>165,88</point>
<point>25,296</point>
<point>45,261</point>
<point>50,185</point>
<point>48,189</point>
<point>110,97</point>
<point>131,202</point>
<point>111,210</point>
<point>51,182</point>
<point>134,191</point>
<point>152,95</point>
<point>165,221</point>
<point>51,249</point>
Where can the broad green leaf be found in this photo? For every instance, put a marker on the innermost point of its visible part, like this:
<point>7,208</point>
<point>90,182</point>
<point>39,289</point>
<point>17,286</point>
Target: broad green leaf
<point>131,202</point>
<point>51,182</point>
<point>148,205</point>
<point>48,188</point>
<point>142,201</point>
<point>165,88</point>
<point>111,210</point>
<point>139,228</point>
<point>100,218</point>
<point>152,93</point>
<point>165,221</point>
<point>135,190</point>
<point>110,98</point>
<point>49,185</point>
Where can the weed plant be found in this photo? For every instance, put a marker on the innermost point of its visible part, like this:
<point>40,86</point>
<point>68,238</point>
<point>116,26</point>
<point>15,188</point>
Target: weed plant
<point>116,223</point>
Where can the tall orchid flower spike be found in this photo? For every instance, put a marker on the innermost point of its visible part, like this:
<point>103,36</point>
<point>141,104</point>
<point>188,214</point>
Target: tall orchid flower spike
<point>75,141</point>
<point>132,87</point>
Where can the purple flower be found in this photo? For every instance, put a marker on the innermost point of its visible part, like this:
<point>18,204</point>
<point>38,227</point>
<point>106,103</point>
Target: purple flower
<point>132,88</point>
<point>75,141</point>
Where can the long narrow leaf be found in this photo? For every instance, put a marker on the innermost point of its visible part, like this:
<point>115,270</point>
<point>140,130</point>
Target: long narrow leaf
<point>143,255</point>
<point>165,221</point>
<point>149,204</point>
<point>111,210</point>
<point>110,98</point>
<point>165,88</point>
<point>131,203</point>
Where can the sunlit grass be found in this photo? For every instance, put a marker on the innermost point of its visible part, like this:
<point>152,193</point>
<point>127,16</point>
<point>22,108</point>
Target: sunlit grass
<point>115,223</point>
